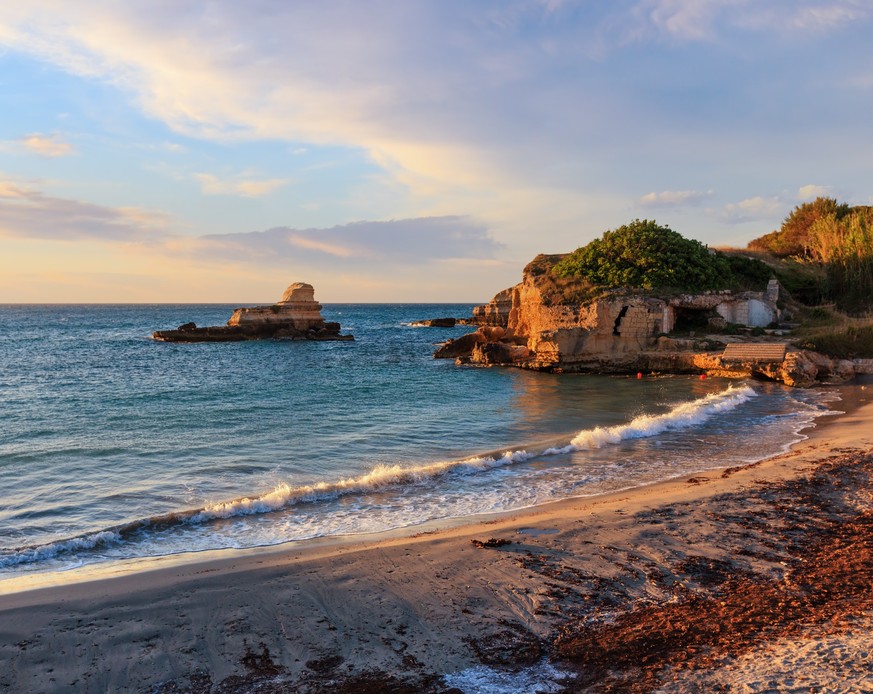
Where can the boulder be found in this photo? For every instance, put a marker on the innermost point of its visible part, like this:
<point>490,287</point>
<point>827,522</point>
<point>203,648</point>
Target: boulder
<point>460,347</point>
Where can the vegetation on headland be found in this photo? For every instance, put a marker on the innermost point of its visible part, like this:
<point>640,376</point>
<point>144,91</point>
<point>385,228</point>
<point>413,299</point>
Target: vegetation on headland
<point>647,255</point>
<point>855,342</point>
<point>835,242</point>
<point>822,255</point>
<point>829,331</point>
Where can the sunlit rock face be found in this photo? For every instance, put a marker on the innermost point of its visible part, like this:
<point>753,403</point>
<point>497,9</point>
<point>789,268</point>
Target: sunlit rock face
<point>297,309</point>
<point>297,316</point>
<point>549,323</point>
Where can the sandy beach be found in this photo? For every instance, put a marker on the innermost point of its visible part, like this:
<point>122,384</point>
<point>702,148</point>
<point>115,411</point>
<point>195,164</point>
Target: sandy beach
<point>750,579</point>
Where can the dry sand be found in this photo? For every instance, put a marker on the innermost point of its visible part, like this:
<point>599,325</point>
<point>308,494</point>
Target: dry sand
<point>393,613</point>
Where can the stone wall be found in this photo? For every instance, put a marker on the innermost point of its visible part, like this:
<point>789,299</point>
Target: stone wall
<point>753,313</point>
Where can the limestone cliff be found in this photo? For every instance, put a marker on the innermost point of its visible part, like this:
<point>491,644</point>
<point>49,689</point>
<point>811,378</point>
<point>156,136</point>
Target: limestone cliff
<point>295,316</point>
<point>552,324</point>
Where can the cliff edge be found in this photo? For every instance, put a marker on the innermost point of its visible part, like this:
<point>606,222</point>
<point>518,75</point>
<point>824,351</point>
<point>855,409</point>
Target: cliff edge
<point>549,323</point>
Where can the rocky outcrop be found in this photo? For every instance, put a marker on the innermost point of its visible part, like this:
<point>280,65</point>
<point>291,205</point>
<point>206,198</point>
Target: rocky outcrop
<point>297,316</point>
<point>435,323</point>
<point>800,368</point>
<point>552,324</point>
<point>496,311</point>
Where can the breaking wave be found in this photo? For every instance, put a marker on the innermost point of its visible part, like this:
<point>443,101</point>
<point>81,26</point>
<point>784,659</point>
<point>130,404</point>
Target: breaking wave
<point>682,416</point>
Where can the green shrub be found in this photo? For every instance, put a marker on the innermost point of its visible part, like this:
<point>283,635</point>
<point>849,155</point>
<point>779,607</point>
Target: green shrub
<point>748,273</point>
<point>645,255</point>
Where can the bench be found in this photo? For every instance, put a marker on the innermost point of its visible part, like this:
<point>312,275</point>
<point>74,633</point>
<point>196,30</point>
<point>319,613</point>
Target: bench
<point>754,352</point>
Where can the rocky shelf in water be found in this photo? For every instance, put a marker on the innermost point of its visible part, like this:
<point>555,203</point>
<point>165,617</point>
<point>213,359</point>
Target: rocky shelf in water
<point>297,316</point>
<point>443,322</point>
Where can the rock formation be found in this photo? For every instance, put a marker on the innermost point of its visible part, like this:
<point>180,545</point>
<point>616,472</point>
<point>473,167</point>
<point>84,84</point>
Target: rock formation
<point>435,323</point>
<point>553,324</point>
<point>297,316</point>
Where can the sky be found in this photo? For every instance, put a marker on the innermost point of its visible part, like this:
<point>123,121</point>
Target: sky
<point>406,150</point>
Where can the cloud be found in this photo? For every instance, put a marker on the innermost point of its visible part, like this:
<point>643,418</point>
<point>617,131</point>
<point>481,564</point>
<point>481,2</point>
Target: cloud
<point>47,145</point>
<point>822,17</point>
<point>811,192</point>
<point>507,110</point>
<point>386,244</point>
<point>322,246</point>
<point>753,209</point>
<point>249,188</point>
<point>675,198</point>
<point>28,213</point>
<point>693,20</point>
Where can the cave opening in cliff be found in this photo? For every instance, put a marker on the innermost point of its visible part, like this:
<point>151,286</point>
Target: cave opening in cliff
<point>689,320</point>
<point>616,328</point>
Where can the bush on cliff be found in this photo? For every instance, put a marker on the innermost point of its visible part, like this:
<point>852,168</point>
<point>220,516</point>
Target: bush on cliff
<point>645,255</point>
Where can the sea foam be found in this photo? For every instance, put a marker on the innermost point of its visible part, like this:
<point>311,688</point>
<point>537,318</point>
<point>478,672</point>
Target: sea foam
<point>680,416</point>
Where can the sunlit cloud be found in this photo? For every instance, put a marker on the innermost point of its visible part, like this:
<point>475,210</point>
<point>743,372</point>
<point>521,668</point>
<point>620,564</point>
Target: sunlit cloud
<point>322,246</point>
<point>249,188</point>
<point>524,126</point>
<point>379,244</point>
<point>675,198</point>
<point>28,213</point>
<point>811,192</point>
<point>753,209</point>
<point>47,145</point>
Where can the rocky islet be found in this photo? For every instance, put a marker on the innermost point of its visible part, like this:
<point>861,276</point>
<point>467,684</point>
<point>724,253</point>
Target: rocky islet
<point>296,316</point>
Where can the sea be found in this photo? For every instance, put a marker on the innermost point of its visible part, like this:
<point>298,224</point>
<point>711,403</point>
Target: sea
<point>114,446</point>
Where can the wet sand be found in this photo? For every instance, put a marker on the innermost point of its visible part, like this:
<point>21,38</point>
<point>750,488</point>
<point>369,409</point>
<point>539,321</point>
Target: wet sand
<point>754,578</point>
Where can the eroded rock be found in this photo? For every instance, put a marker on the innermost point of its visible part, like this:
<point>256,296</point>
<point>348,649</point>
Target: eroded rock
<point>297,316</point>
<point>557,324</point>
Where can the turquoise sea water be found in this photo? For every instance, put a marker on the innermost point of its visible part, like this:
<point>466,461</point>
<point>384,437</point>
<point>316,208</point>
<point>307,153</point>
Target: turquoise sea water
<point>114,446</point>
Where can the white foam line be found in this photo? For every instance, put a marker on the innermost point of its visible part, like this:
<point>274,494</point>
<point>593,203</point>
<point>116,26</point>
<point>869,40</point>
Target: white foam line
<point>31,555</point>
<point>681,416</point>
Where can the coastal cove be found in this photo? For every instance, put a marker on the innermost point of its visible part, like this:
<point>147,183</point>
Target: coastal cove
<point>397,611</point>
<point>271,510</point>
<point>119,447</point>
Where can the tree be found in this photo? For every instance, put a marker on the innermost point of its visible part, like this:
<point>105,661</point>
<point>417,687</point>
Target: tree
<point>645,255</point>
<point>792,238</point>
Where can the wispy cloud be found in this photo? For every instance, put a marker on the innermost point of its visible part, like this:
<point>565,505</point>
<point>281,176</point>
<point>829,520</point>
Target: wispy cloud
<point>675,198</point>
<point>47,145</point>
<point>245,187</point>
<point>825,16</point>
<point>693,20</point>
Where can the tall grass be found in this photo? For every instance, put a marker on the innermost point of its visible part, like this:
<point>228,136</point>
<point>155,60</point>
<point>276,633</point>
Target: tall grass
<point>844,247</point>
<point>854,342</point>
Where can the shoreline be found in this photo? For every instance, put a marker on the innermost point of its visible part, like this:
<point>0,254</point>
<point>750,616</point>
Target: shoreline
<point>409,604</point>
<point>116,568</point>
